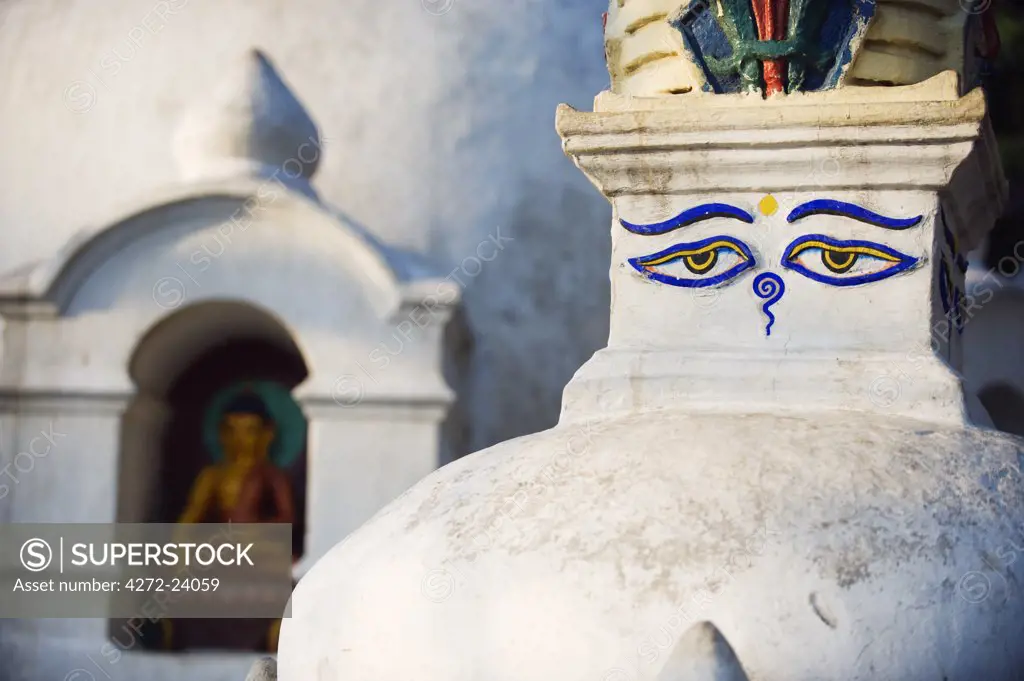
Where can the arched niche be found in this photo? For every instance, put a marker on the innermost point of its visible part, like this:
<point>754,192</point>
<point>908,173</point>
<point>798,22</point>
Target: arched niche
<point>178,367</point>
<point>143,290</point>
<point>105,332</point>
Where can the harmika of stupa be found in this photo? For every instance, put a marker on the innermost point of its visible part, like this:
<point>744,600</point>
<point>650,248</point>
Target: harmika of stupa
<point>768,473</point>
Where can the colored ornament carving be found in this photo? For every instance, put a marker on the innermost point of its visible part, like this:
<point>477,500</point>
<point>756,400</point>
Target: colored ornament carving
<point>773,46</point>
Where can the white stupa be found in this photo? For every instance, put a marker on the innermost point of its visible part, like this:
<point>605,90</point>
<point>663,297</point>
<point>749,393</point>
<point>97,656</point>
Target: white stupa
<point>768,473</point>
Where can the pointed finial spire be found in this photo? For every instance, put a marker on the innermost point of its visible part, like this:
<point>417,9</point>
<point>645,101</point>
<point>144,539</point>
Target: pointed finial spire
<point>252,124</point>
<point>703,654</point>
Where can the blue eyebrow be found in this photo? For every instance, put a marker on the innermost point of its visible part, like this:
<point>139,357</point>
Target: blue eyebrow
<point>688,217</point>
<point>849,210</point>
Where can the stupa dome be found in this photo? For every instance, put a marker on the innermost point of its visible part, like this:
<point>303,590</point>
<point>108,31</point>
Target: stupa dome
<point>590,551</point>
<point>251,123</point>
<point>770,471</point>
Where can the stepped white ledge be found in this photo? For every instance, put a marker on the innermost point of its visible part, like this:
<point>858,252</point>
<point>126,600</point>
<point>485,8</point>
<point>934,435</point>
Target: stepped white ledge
<point>617,382</point>
<point>900,138</point>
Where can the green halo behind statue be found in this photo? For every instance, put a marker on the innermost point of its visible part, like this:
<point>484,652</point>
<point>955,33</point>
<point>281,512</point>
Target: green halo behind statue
<point>286,413</point>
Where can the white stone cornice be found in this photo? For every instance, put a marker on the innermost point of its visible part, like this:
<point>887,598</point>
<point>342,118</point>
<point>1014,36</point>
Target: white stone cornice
<point>923,137</point>
<point>43,289</point>
<point>64,402</point>
<point>376,408</point>
<point>726,145</point>
<point>695,168</point>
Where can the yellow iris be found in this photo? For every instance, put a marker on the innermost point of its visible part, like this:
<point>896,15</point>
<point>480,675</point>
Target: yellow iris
<point>699,260</point>
<point>841,259</point>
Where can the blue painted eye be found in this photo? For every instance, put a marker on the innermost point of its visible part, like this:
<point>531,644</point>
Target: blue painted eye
<point>700,264</point>
<point>844,263</point>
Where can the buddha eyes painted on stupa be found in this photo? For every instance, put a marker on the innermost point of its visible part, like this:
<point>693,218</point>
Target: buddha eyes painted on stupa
<point>720,260</point>
<point>844,263</point>
<point>709,262</point>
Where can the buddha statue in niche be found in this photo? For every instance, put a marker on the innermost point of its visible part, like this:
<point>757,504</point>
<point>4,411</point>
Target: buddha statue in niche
<point>246,486</point>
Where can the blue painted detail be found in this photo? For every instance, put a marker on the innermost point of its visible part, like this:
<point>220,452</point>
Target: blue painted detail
<point>769,287</point>
<point>950,240</point>
<point>948,290</point>
<point>954,249</point>
<point>821,42</point>
<point>983,62</point>
<point>902,263</point>
<point>638,264</point>
<point>970,80</point>
<point>945,286</point>
<point>958,318</point>
<point>289,421</point>
<point>703,35</point>
<point>845,30</point>
<point>852,211</point>
<point>691,216</point>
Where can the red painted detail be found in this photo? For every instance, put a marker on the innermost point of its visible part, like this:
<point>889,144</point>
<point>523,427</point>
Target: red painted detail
<point>990,35</point>
<point>771,17</point>
<point>604,20</point>
<point>773,70</point>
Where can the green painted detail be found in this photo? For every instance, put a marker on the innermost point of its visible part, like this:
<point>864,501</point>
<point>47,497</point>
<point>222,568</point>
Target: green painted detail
<point>288,419</point>
<point>822,38</point>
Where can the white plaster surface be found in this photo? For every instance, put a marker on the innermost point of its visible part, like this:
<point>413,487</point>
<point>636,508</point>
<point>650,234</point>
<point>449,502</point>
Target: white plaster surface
<point>437,124</point>
<point>95,334</point>
<point>595,546</point>
<point>251,118</point>
<point>817,495</point>
<point>435,127</point>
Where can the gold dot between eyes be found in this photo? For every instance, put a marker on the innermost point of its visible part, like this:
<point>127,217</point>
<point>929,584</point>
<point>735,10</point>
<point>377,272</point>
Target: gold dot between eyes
<point>768,205</point>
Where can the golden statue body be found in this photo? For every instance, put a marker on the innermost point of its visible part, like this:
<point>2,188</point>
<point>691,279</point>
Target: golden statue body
<point>246,486</point>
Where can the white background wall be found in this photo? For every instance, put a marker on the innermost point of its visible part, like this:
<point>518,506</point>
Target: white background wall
<point>439,135</point>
